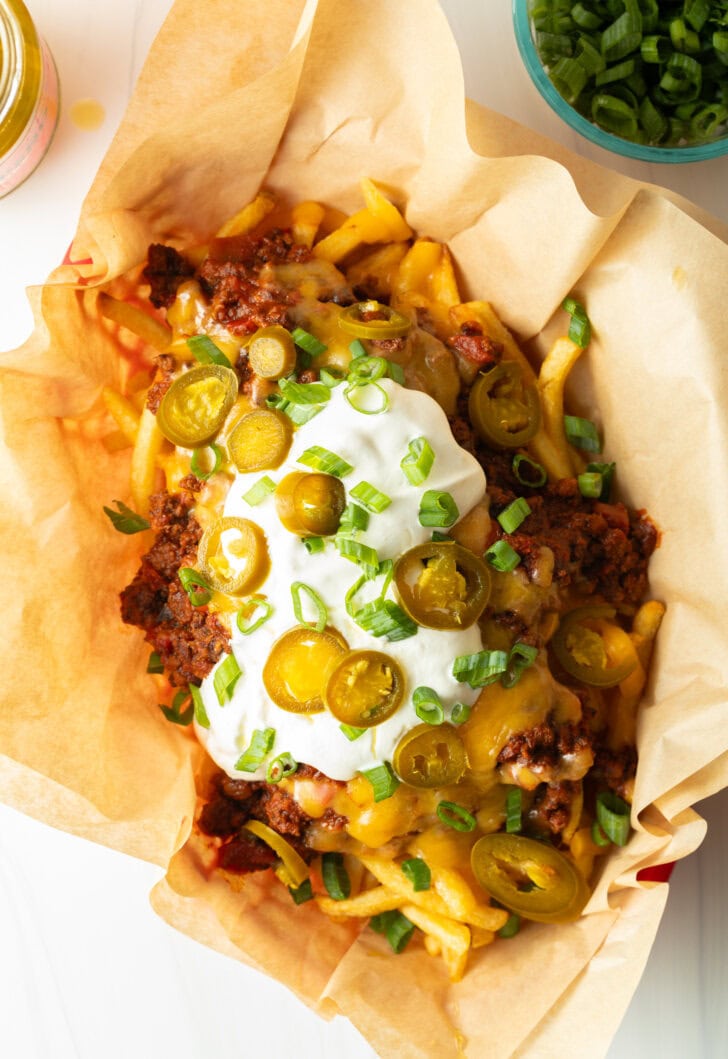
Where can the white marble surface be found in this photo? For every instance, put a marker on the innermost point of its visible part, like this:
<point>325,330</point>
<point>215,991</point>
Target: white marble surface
<point>78,981</point>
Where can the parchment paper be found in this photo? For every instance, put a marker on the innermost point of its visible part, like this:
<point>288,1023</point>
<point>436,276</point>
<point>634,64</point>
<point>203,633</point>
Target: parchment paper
<point>307,99</point>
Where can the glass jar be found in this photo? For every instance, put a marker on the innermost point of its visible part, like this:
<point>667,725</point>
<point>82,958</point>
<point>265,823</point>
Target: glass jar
<point>28,95</point>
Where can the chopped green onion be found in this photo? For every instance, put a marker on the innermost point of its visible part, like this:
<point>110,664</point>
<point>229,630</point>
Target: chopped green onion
<point>460,713</point>
<point>428,705</point>
<point>304,393</point>
<point>308,342</point>
<point>579,328</point>
<point>302,893</point>
<point>598,836</point>
<point>512,516</point>
<point>246,614</point>
<point>196,467</point>
<point>297,413</point>
<point>582,434</point>
<point>613,817</point>
<point>370,400</point>
<point>260,746</point>
<point>322,613</point>
<point>417,871</point>
<point>533,474</point>
<point>511,926</point>
<point>313,545</point>
<point>227,675</point>
<point>356,348</point>
<point>175,713</point>
<point>358,553</point>
<point>258,492</point>
<point>363,370</point>
<point>385,569</point>
<point>418,462</point>
<point>353,519</point>
<point>372,499</point>
<point>154,665</point>
<point>606,472</point>
<point>280,768</point>
<point>320,459</point>
<point>197,589</point>
<point>590,484</point>
<point>622,36</point>
<point>384,617</point>
<point>456,816</point>
<point>514,808</point>
<point>437,508</point>
<point>520,657</point>
<point>396,372</point>
<point>125,520</point>
<point>481,668</point>
<point>569,78</point>
<point>200,712</point>
<point>383,780</point>
<point>502,557</point>
<point>436,535</point>
<point>335,876</point>
<point>204,350</point>
<point>329,379</point>
<point>352,733</point>
<point>396,928</point>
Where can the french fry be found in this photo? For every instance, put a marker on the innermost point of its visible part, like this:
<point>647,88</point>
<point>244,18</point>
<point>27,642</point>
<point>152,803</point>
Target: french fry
<point>115,441</point>
<point>249,217</point>
<point>480,937</point>
<point>645,626</point>
<point>146,327</point>
<point>551,381</point>
<point>623,718</point>
<point>306,218</point>
<point>124,413</point>
<point>376,271</point>
<point>380,206</point>
<point>148,445</point>
<point>444,284</point>
<point>379,222</point>
<point>454,937</point>
<point>368,903</point>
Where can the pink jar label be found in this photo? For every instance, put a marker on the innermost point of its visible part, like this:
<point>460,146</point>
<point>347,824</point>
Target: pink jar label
<point>22,159</point>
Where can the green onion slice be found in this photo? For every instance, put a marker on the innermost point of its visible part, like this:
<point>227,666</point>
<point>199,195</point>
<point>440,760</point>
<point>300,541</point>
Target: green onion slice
<point>246,619</point>
<point>335,876</point>
<point>304,393</point>
<point>481,668</point>
<point>533,473</point>
<point>502,557</point>
<point>579,328</point>
<point>456,816</point>
<point>514,806</point>
<point>357,349</point>
<point>154,665</point>
<point>258,749</point>
<point>359,553</point>
<point>511,926</point>
<point>417,871</point>
<point>320,459</point>
<point>308,342</point>
<point>352,733</point>
<point>204,350</point>
<point>606,472</point>
<point>613,816</point>
<point>259,491</point>
<point>199,457</point>
<point>428,705</point>
<point>280,768</point>
<point>227,675</point>
<point>384,617</point>
<point>460,713</point>
<point>200,712</point>
<point>520,657</point>
<point>512,516</point>
<point>372,499</point>
<point>297,413</point>
<point>418,462</point>
<point>582,433</point>
<point>353,519</point>
<point>175,713</point>
<point>322,614</point>
<point>437,508</point>
<point>369,399</point>
<point>313,545</point>
<point>302,893</point>
<point>363,370</point>
<point>598,836</point>
<point>125,520</point>
<point>383,780</point>
<point>396,928</point>
<point>197,589</point>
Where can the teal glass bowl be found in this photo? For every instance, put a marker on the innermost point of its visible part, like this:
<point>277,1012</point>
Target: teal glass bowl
<point>607,140</point>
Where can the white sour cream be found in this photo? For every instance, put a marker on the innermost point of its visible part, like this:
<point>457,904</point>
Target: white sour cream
<point>374,446</point>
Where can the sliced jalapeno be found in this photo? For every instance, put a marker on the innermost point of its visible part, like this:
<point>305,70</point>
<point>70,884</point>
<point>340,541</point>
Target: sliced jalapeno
<point>529,877</point>
<point>196,405</point>
<point>260,440</point>
<point>272,353</point>
<point>310,504</point>
<point>364,688</point>
<point>297,668</point>
<point>233,555</point>
<point>430,757</point>
<point>373,320</point>
<point>504,409</point>
<point>442,585</point>
<point>589,647</point>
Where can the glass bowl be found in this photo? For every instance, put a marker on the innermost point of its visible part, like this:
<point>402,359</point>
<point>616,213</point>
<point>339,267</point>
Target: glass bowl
<point>609,141</point>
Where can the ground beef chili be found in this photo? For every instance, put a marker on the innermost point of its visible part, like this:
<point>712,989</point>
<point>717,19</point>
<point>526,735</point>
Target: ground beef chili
<point>189,640</point>
<point>166,269</point>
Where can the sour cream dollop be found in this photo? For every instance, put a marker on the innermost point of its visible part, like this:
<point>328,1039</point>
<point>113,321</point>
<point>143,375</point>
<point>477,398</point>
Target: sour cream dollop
<point>374,445</point>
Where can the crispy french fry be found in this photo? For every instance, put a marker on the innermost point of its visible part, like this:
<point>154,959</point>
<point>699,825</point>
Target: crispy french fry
<point>444,284</point>
<point>480,937</point>
<point>380,222</point>
<point>146,327</point>
<point>249,217</point>
<point>367,903</point>
<point>645,625</point>
<point>376,271</point>
<point>149,441</point>
<point>306,218</point>
<point>551,381</point>
<point>379,205</point>
<point>124,413</point>
<point>454,937</point>
<point>115,441</point>
<point>416,271</point>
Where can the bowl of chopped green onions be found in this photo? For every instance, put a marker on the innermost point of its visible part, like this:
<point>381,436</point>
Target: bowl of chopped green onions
<point>644,78</point>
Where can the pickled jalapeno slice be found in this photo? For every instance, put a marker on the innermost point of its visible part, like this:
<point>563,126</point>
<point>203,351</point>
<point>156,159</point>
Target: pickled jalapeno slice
<point>196,405</point>
<point>310,504</point>
<point>233,555</point>
<point>529,877</point>
<point>260,440</point>
<point>297,668</point>
<point>430,757</point>
<point>592,648</point>
<point>373,320</point>
<point>272,352</point>
<point>504,409</point>
<point>364,688</point>
<point>442,585</point>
